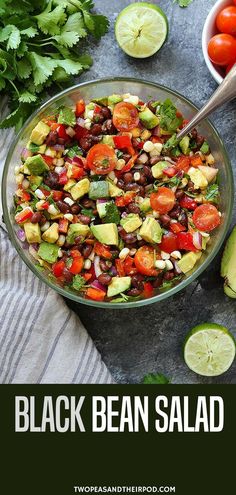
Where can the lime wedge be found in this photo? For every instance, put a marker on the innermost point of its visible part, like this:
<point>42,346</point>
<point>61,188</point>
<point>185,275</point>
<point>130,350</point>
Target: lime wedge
<point>209,349</point>
<point>141,29</point>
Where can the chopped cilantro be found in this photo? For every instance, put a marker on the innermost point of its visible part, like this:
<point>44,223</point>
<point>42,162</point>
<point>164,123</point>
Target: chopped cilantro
<point>205,147</point>
<point>212,193</point>
<point>112,214</point>
<point>74,151</point>
<point>78,282</point>
<point>168,119</point>
<point>171,143</point>
<point>67,116</point>
<point>87,212</point>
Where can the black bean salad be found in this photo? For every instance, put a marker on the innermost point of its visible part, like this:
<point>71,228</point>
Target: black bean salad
<point>108,201</point>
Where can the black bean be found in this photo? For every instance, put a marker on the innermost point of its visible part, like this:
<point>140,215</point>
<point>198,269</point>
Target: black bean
<point>134,292</point>
<point>85,143</point>
<point>75,209</point>
<point>105,111</point>
<point>130,238</point>
<point>63,207</point>
<point>86,250</point>
<point>143,180</point>
<point>88,203</point>
<point>85,219</point>
<point>120,183</point>
<point>183,219</point>
<point>43,220</point>
<point>105,265</point>
<point>149,104</point>
<point>68,276</point>
<point>137,281</point>
<point>108,127</point>
<point>126,157</point>
<point>96,129</point>
<point>157,282</point>
<point>141,243</point>
<point>51,180</point>
<point>179,194</point>
<point>168,275</point>
<point>132,186</point>
<point>128,177</point>
<point>165,220</point>
<point>122,232</point>
<point>36,217</point>
<point>51,138</point>
<point>141,191</point>
<point>133,208</point>
<point>104,279</point>
<point>147,172</point>
<point>175,212</point>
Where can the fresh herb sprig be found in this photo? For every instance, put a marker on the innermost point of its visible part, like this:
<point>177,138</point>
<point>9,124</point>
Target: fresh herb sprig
<point>183,3</point>
<point>39,49</point>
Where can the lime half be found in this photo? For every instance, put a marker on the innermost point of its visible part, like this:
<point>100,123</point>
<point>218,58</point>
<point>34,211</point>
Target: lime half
<point>141,29</point>
<point>209,349</point>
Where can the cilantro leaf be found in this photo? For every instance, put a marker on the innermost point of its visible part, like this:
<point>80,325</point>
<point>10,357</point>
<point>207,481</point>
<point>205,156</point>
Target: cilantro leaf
<point>50,21</point>
<point>87,212</point>
<point>67,116</point>
<point>156,379</point>
<point>27,97</point>
<point>212,193</point>
<point>183,3</point>
<point>24,68</point>
<point>168,119</point>
<point>30,32</point>
<point>74,151</point>
<point>78,282</point>
<point>42,67</point>
<point>112,214</point>
<point>14,38</point>
<point>171,143</point>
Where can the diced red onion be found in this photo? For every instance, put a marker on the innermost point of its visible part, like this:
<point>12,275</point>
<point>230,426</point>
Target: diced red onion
<point>77,160</point>
<point>177,268</point>
<point>113,271</point>
<point>97,267</point>
<point>21,235</point>
<point>124,214</point>
<point>96,285</point>
<point>25,154</point>
<point>100,201</point>
<point>35,246</point>
<point>69,160</point>
<point>80,121</point>
<point>168,159</point>
<point>156,131</point>
<point>197,240</point>
<point>58,147</point>
<point>70,132</point>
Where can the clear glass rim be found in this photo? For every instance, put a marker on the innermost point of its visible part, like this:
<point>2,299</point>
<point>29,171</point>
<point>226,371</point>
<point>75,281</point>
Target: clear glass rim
<point>142,302</point>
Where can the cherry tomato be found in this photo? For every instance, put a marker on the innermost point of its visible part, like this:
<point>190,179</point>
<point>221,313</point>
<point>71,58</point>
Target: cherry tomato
<point>226,20</point>
<point>57,195</point>
<point>144,261</point>
<point>125,116</point>
<point>125,200</point>
<point>80,108</point>
<point>101,159</point>
<point>77,264</point>
<point>230,66</point>
<point>177,227</point>
<point>95,294</point>
<point>163,200</point>
<point>76,172</point>
<point>58,268</point>
<point>61,131</point>
<point>170,171</point>
<point>185,241</point>
<point>169,242</point>
<point>222,49</point>
<point>122,142</point>
<point>188,203</point>
<point>183,163</point>
<point>206,217</point>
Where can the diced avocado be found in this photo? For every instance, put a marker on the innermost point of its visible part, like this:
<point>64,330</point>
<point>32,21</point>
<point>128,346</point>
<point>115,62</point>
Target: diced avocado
<point>148,118</point>
<point>108,140</point>
<point>184,145</point>
<point>101,101</point>
<point>101,208</point>
<point>151,230</point>
<point>228,265</point>
<point>106,233</point>
<point>118,285</point>
<point>35,180</point>
<point>114,191</point>
<point>197,177</point>
<point>209,172</point>
<point>69,185</point>
<point>205,148</point>
<point>67,116</point>
<point>35,148</point>
<point>36,165</point>
<point>157,169</point>
<point>80,189</point>
<point>26,170</point>
<point>114,99</point>
<point>188,261</point>
<point>76,229</point>
<point>88,107</point>
<point>32,232</point>
<point>51,234</point>
<point>48,252</point>
<point>39,133</point>
<point>98,189</point>
<point>131,222</point>
<point>145,205</point>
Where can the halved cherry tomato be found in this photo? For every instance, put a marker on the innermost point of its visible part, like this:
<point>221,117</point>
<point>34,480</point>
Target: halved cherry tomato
<point>25,196</point>
<point>148,290</point>
<point>24,215</point>
<point>169,242</point>
<point>163,200</point>
<point>196,161</point>
<point>127,167</point>
<point>170,171</point>
<point>226,20</point>
<point>125,200</point>
<point>144,261</point>
<point>183,163</point>
<point>58,268</point>
<point>95,294</point>
<point>120,267</point>
<point>63,225</point>
<point>185,241</point>
<point>45,205</point>
<point>79,108</point>
<point>184,123</point>
<point>122,142</point>
<point>77,263</point>
<point>222,49</point>
<point>125,116</point>
<point>102,250</point>
<point>48,159</point>
<point>177,227</point>
<point>188,203</point>
<point>61,131</point>
<point>206,217</point>
<point>57,195</point>
<point>129,266</point>
<point>101,159</point>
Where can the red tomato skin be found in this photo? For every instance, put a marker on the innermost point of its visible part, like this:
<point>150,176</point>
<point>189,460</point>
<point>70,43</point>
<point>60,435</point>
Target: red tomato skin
<point>206,217</point>
<point>222,49</point>
<point>148,290</point>
<point>57,195</point>
<point>80,108</point>
<point>122,142</point>
<point>188,203</point>
<point>230,66</point>
<point>63,225</point>
<point>125,116</point>
<point>163,200</point>
<point>169,242</point>
<point>185,241</point>
<point>61,131</point>
<point>226,20</point>
<point>77,263</point>
<point>58,268</point>
<point>183,163</point>
<point>97,155</point>
<point>177,227</point>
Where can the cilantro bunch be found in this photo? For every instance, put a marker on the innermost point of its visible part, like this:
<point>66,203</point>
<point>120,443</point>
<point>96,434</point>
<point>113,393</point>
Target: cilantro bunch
<point>40,49</point>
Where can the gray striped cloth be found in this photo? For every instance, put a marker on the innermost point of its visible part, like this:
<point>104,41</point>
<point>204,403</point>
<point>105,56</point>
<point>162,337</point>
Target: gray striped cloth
<point>41,339</point>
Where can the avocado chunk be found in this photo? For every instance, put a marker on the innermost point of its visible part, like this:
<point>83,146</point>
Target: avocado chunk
<point>114,99</point>
<point>188,261</point>
<point>184,145</point>
<point>80,189</point>
<point>108,140</point>
<point>131,222</point>
<point>99,189</point>
<point>69,185</point>
<point>35,181</point>
<point>32,232</point>
<point>197,177</point>
<point>76,229</point>
<point>48,252</point>
<point>118,285</point>
<point>39,133</point>
<point>67,116</point>
<point>106,233</point>
<point>228,265</point>
<point>51,234</point>
<point>101,101</point>
<point>151,230</point>
<point>35,148</point>
<point>36,165</point>
<point>101,208</point>
<point>145,205</point>
<point>114,191</point>
<point>148,118</point>
<point>157,169</point>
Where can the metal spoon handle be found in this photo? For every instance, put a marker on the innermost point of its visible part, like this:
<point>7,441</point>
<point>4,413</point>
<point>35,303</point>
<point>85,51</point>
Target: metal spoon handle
<point>225,92</point>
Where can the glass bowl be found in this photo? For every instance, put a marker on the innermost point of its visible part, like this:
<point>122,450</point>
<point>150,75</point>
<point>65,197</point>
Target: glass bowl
<point>146,91</point>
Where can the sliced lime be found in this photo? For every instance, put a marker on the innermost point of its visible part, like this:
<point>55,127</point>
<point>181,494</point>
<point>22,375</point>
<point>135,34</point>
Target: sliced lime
<point>141,29</point>
<point>209,349</point>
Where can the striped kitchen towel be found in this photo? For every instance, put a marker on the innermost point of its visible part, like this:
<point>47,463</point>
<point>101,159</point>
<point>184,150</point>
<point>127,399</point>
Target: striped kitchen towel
<point>41,339</point>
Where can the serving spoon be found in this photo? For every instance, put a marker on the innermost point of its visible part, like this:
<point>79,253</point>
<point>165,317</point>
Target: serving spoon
<point>225,92</point>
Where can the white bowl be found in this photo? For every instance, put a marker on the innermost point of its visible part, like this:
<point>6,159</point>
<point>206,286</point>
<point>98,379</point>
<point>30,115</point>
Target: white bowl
<point>210,30</point>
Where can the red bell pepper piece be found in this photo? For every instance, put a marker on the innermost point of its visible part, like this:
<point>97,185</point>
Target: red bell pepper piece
<point>169,242</point>
<point>87,276</point>
<point>45,205</point>
<point>76,172</point>
<point>129,266</point>
<point>120,267</point>
<point>177,227</point>
<point>122,201</point>
<point>122,142</point>
<point>48,159</point>
<point>127,167</point>
<point>148,290</point>
<point>95,294</point>
<point>63,225</point>
<point>102,250</point>
<point>79,108</point>
<point>63,179</point>
<point>170,171</point>
<point>45,192</point>
<point>156,139</point>
<point>77,263</point>
<point>196,160</point>
<point>188,203</point>
<point>97,109</point>
<point>61,131</point>
<point>23,215</point>
<point>183,163</point>
<point>58,268</point>
<point>25,196</point>
<point>57,195</point>
<point>185,241</point>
